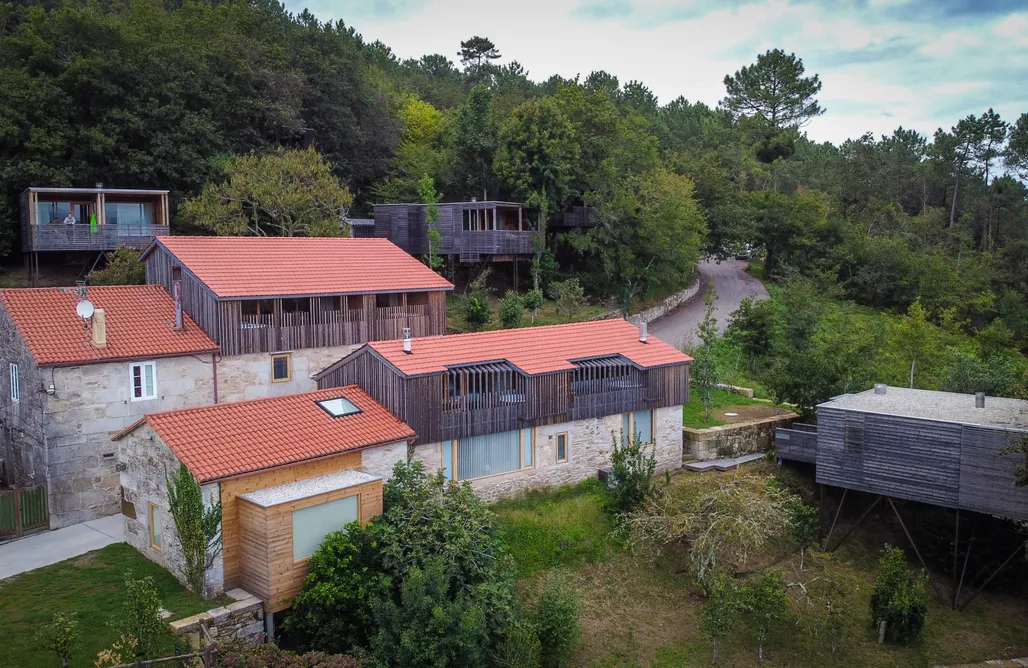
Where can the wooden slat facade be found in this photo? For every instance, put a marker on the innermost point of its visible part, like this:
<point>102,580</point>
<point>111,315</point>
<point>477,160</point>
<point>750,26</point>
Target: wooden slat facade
<point>424,403</point>
<point>405,226</point>
<point>322,321</point>
<point>941,463</point>
<point>797,443</point>
<point>267,567</point>
<point>39,235</point>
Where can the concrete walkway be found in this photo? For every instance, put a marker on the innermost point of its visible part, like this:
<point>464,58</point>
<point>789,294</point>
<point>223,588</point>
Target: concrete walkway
<point>49,547</point>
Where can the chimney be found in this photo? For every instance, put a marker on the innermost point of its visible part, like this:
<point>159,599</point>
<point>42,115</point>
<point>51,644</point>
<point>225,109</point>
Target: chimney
<point>99,185</point>
<point>176,294</point>
<point>642,332</point>
<point>979,400</point>
<point>407,341</point>
<point>474,199</point>
<point>99,328</point>
<point>880,388</point>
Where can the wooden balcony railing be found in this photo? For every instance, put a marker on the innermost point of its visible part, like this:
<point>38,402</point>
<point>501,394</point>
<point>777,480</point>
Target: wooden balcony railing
<point>488,242</point>
<point>318,329</point>
<point>54,237</point>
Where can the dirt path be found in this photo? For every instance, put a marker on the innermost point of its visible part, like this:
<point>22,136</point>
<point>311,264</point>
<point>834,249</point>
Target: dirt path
<point>732,284</point>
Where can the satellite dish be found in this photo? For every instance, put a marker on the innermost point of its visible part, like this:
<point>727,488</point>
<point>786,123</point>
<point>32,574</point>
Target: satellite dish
<point>85,309</point>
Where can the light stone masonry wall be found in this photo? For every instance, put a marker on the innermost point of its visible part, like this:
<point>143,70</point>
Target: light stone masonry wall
<point>242,377</point>
<point>590,443</point>
<point>241,621</point>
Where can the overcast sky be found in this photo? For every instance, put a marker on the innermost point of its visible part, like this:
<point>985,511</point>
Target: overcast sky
<point>884,63</point>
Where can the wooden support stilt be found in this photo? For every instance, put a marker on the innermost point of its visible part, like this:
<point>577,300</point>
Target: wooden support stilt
<point>832,529</point>
<point>910,538</point>
<point>994,574</point>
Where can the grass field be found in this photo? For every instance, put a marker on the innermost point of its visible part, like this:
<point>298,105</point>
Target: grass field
<point>90,586</point>
<point>692,412</point>
<point>645,611</point>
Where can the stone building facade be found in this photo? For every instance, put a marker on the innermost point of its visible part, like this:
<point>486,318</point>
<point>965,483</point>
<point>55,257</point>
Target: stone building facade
<point>249,376</point>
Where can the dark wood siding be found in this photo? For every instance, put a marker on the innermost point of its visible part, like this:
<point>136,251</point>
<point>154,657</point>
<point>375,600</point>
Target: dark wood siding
<point>797,443</point>
<point>419,401</point>
<point>198,301</point>
<point>405,226</point>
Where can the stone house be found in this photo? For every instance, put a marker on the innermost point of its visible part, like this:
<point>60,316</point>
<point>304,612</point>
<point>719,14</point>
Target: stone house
<point>281,309</point>
<point>513,409</point>
<point>69,383</point>
<point>287,470</point>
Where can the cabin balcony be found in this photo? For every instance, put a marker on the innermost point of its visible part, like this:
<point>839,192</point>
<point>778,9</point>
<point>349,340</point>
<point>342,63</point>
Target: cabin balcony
<point>269,332</point>
<point>80,237</point>
<point>494,242</point>
<point>797,443</point>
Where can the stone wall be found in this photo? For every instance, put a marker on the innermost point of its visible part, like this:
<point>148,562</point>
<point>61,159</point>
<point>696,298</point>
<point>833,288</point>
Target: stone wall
<point>242,621</point>
<point>23,448</point>
<point>732,440</point>
<point>242,377</point>
<point>663,308</point>
<point>147,462</point>
<point>589,449</point>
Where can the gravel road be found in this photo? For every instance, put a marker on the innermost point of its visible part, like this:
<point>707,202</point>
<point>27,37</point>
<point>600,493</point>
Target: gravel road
<point>732,284</point>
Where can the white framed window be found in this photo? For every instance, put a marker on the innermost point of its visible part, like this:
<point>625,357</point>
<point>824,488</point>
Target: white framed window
<point>639,422</point>
<point>15,383</point>
<point>143,381</point>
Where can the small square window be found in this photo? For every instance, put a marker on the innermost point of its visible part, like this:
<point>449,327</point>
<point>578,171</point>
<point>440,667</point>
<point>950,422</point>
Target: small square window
<point>338,407</point>
<point>562,447</point>
<point>156,540</point>
<point>280,368</point>
<point>143,380</point>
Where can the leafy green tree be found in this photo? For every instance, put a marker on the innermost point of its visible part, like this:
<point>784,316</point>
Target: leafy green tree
<point>197,525</point>
<point>474,139</point>
<point>804,524</point>
<point>898,598</point>
<point>477,51</point>
<point>427,195</point>
<point>141,616</point>
<point>765,604</point>
<point>632,470</point>
<point>123,268</point>
<point>704,368</point>
<point>555,616</point>
<point>914,335</point>
<point>533,300</point>
<point>422,150</point>
<point>511,310</point>
<point>285,193</point>
<point>59,636</point>
<point>473,305</point>
<point>1016,154</point>
<point>569,296</point>
<point>720,611</point>
<point>774,90</point>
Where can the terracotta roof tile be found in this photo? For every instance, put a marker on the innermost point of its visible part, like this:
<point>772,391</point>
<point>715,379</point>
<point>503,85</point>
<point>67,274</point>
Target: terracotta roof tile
<point>140,324</point>
<point>243,437</point>
<point>534,350</point>
<point>284,266</point>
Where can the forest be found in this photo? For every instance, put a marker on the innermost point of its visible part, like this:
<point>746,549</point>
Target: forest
<point>900,258</point>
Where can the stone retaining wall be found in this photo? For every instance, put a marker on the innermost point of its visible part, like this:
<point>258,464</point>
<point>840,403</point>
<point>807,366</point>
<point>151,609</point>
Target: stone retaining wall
<point>733,440</point>
<point>663,308</point>
<point>242,620</point>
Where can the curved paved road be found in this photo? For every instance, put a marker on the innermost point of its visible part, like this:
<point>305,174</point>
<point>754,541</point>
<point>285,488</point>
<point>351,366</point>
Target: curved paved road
<point>732,284</point>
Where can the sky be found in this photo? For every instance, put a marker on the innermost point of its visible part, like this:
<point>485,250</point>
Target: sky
<point>919,64</point>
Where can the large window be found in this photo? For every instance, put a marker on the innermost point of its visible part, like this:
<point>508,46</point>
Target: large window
<point>639,422</point>
<point>56,213</point>
<point>143,380</point>
<point>128,213</point>
<point>492,454</point>
<point>478,220</point>
<point>312,524</point>
<point>15,383</point>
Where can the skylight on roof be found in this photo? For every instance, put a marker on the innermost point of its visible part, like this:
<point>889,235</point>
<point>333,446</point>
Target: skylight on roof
<point>338,407</point>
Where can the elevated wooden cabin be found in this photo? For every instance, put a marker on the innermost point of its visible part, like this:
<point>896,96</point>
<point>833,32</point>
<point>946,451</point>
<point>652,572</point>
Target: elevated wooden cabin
<point>469,231</point>
<point>581,216</point>
<point>468,385</point>
<point>105,218</point>
<point>940,448</point>
<point>264,294</point>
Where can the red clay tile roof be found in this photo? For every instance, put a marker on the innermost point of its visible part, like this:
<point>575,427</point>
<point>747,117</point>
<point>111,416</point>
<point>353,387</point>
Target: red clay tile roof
<point>234,267</point>
<point>532,349</point>
<point>140,324</point>
<point>243,437</point>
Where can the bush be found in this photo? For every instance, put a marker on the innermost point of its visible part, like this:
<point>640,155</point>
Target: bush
<point>555,616</point>
<point>804,524</point>
<point>569,297</point>
<point>123,268</point>
<point>270,656</point>
<point>533,301</point>
<point>141,621</point>
<point>631,472</point>
<point>59,636</point>
<point>898,598</point>
<point>511,310</point>
<point>473,305</point>
<point>520,648</point>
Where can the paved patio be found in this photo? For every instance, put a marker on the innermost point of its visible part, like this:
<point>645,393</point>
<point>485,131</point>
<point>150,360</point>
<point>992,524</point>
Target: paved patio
<point>49,547</point>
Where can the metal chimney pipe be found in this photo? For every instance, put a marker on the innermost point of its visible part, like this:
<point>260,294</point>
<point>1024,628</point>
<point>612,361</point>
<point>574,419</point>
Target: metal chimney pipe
<point>979,400</point>
<point>407,341</point>
<point>642,332</point>
<point>176,293</point>
<point>880,388</point>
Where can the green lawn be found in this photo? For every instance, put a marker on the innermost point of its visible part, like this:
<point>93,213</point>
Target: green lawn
<point>692,412</point>
<point>641,611</point>
<point>91,586</point>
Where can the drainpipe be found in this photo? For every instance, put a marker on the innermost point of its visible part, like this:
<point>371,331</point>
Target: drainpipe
<point>214,366</point>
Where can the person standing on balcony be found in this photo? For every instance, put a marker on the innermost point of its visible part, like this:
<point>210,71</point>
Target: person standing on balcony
<point>69,219</point>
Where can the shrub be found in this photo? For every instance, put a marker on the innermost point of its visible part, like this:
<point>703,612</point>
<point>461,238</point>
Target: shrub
<point>476,313</point>
<point>569,297</point>
<point>804,524</point>
<point>555,616</point>
<point>59,636</point>
<point>520,648</point>
<point>631,472</point>
<point>123,268</point>
<point>332,612</point>
<point>511,309</point>
<point>270,656</point>
<point>198,527</point>
<point>765,604</point>
<point>141,619</point>
<point>533,301</point>
<point>898,598</point>
<point>720,611</point>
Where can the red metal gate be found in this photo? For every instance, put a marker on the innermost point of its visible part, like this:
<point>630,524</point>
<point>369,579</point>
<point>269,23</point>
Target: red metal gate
<point>23,510</point>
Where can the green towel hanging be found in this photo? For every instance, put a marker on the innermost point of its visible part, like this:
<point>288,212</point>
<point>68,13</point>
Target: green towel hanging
<point>92,223</point>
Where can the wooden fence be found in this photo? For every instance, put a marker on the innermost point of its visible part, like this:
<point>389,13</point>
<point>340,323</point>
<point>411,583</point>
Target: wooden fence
<point>206,656</point>
<point>23,510</point>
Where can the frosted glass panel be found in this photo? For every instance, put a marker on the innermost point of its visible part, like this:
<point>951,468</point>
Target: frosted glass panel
<point>448,459</point>
<point>488,455</point>
<point>312,524</point>
<point>526,448</point>
<point>643,425</point>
